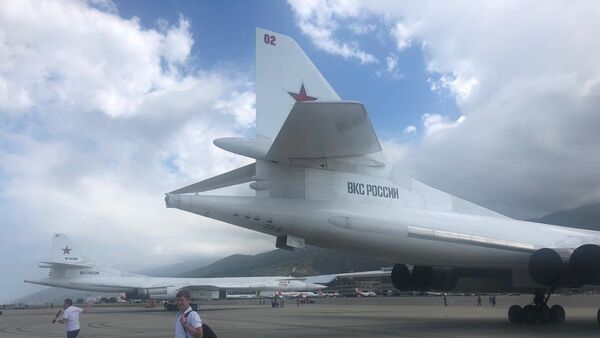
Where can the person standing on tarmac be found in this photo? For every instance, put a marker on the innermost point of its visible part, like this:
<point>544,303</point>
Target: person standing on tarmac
<point>188,323</point>
<point>71,317</point>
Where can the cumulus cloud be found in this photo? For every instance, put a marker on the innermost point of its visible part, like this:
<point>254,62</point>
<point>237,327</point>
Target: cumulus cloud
<point>361,28</point>
<point>99,117</point>
<point>392,62</point>
<point>403,34</point>
<point>410,130</point>
<point>241,106</point>
<point>318,20</point>
<point>107,64</point>
<point>460,88</point>
<point>526,80</point>
<point>392,66</point>
<point>436,123</point>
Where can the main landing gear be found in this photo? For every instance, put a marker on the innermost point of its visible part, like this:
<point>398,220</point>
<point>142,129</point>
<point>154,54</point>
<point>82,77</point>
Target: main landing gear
<point>538,312</point>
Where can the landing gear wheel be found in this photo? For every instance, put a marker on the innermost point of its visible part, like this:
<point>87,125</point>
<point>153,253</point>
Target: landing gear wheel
<point>598,316</point>
<point>538,312</point>
<point>557,313</point>
<point>544,314</point>
<point>515,314</point>
<point>529,314</point>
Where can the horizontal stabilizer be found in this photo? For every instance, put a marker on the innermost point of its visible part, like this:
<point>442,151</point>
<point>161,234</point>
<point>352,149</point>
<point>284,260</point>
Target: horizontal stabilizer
<point>49,265</point>
<point>237,176</point>
<point>325,129</point>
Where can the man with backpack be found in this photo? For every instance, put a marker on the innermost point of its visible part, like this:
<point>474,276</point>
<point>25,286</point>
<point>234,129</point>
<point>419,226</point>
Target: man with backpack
<point>188,323</point>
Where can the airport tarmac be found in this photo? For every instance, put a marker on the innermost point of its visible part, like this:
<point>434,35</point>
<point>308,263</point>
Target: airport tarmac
<point>334,317</point>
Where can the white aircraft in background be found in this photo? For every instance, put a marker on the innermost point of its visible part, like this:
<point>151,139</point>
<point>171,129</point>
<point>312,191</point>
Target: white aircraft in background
<point>363,293</point>
<point>328,294</point>
<point>320,178</point>
<point>294,294</point>
<point>70,269</point>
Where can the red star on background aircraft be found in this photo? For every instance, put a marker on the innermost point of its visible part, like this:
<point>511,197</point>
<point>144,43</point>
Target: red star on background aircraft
<point>66,250</point>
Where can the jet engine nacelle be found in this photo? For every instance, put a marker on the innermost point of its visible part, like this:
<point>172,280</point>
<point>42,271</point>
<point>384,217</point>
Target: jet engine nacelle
<point>434,278</point>
<point>138,294</point>
<point>545,266</point>
<point>159,293</point>
<point>424,278</point>
<point>549,267</point>
<point>401,277</point>
<point>585,264</point>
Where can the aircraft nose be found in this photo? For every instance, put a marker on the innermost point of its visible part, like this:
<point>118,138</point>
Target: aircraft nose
<point>172,200</point>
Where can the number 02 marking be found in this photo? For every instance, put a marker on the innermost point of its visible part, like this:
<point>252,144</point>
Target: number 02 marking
<point>269,39</point>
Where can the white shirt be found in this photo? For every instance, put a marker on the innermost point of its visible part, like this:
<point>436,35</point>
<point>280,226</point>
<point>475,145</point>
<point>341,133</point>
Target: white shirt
<point>71,315</point>
<point>193,319</point>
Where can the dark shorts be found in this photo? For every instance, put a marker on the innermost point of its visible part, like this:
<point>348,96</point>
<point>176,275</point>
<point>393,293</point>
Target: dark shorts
<point>72,334</point>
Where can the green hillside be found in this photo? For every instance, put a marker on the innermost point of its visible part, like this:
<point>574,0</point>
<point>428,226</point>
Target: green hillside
<point>586,217</point>
<point>310,261</point>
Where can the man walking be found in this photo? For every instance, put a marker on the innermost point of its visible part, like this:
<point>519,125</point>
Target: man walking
<point>187,323</point>
<point>71,317</point>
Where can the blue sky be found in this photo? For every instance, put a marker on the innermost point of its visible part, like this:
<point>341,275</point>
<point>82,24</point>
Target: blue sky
<point>101,113</point>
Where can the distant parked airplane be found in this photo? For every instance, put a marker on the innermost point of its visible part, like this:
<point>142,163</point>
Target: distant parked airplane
<point>70,269</point>
<point>362,293</point>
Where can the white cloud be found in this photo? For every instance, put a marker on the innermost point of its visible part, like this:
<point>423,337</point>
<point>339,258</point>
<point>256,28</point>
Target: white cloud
<point>85,58</point>
<point>241,105</point>
<point>98,118</point>
<point>459,87</point>
<point>409,130</point>
<point>526,78</point>
<point>392,66</point>
<point>436,123</point>
<point>361,29</point>
<point>392,62</point>
<point>403,34</point>
<point>177,43</point>
<point>318,21</point>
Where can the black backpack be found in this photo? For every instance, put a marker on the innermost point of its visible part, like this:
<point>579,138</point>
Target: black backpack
<point>207,332</point>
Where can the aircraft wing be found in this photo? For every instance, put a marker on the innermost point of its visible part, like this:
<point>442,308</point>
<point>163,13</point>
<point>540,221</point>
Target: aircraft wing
<point>325,129</point>
<point>123,285</point>
<point>237,176</point>
<point>418,228</point>
<point>232,283</point>
<point>326,279</point>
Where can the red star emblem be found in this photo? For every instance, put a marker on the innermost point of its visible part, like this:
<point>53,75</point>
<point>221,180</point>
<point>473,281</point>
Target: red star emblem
<point>301,96</point>
<point>66,250</point>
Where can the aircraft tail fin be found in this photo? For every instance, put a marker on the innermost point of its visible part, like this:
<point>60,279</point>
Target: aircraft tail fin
<point>66,253</point>
<point>284,75</point>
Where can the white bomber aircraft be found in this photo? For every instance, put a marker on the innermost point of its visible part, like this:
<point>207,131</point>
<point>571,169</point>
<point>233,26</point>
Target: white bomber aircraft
<point>321,178</point>
<point>70,269</point>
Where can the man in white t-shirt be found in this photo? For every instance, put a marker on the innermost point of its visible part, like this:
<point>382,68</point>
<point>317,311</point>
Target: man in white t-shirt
<point>71,317</point>
<point>188,323</point>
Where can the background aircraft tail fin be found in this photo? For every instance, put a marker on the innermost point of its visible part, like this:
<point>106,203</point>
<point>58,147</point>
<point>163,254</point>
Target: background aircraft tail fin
<point>284,76</point>
<point>65,252</point>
